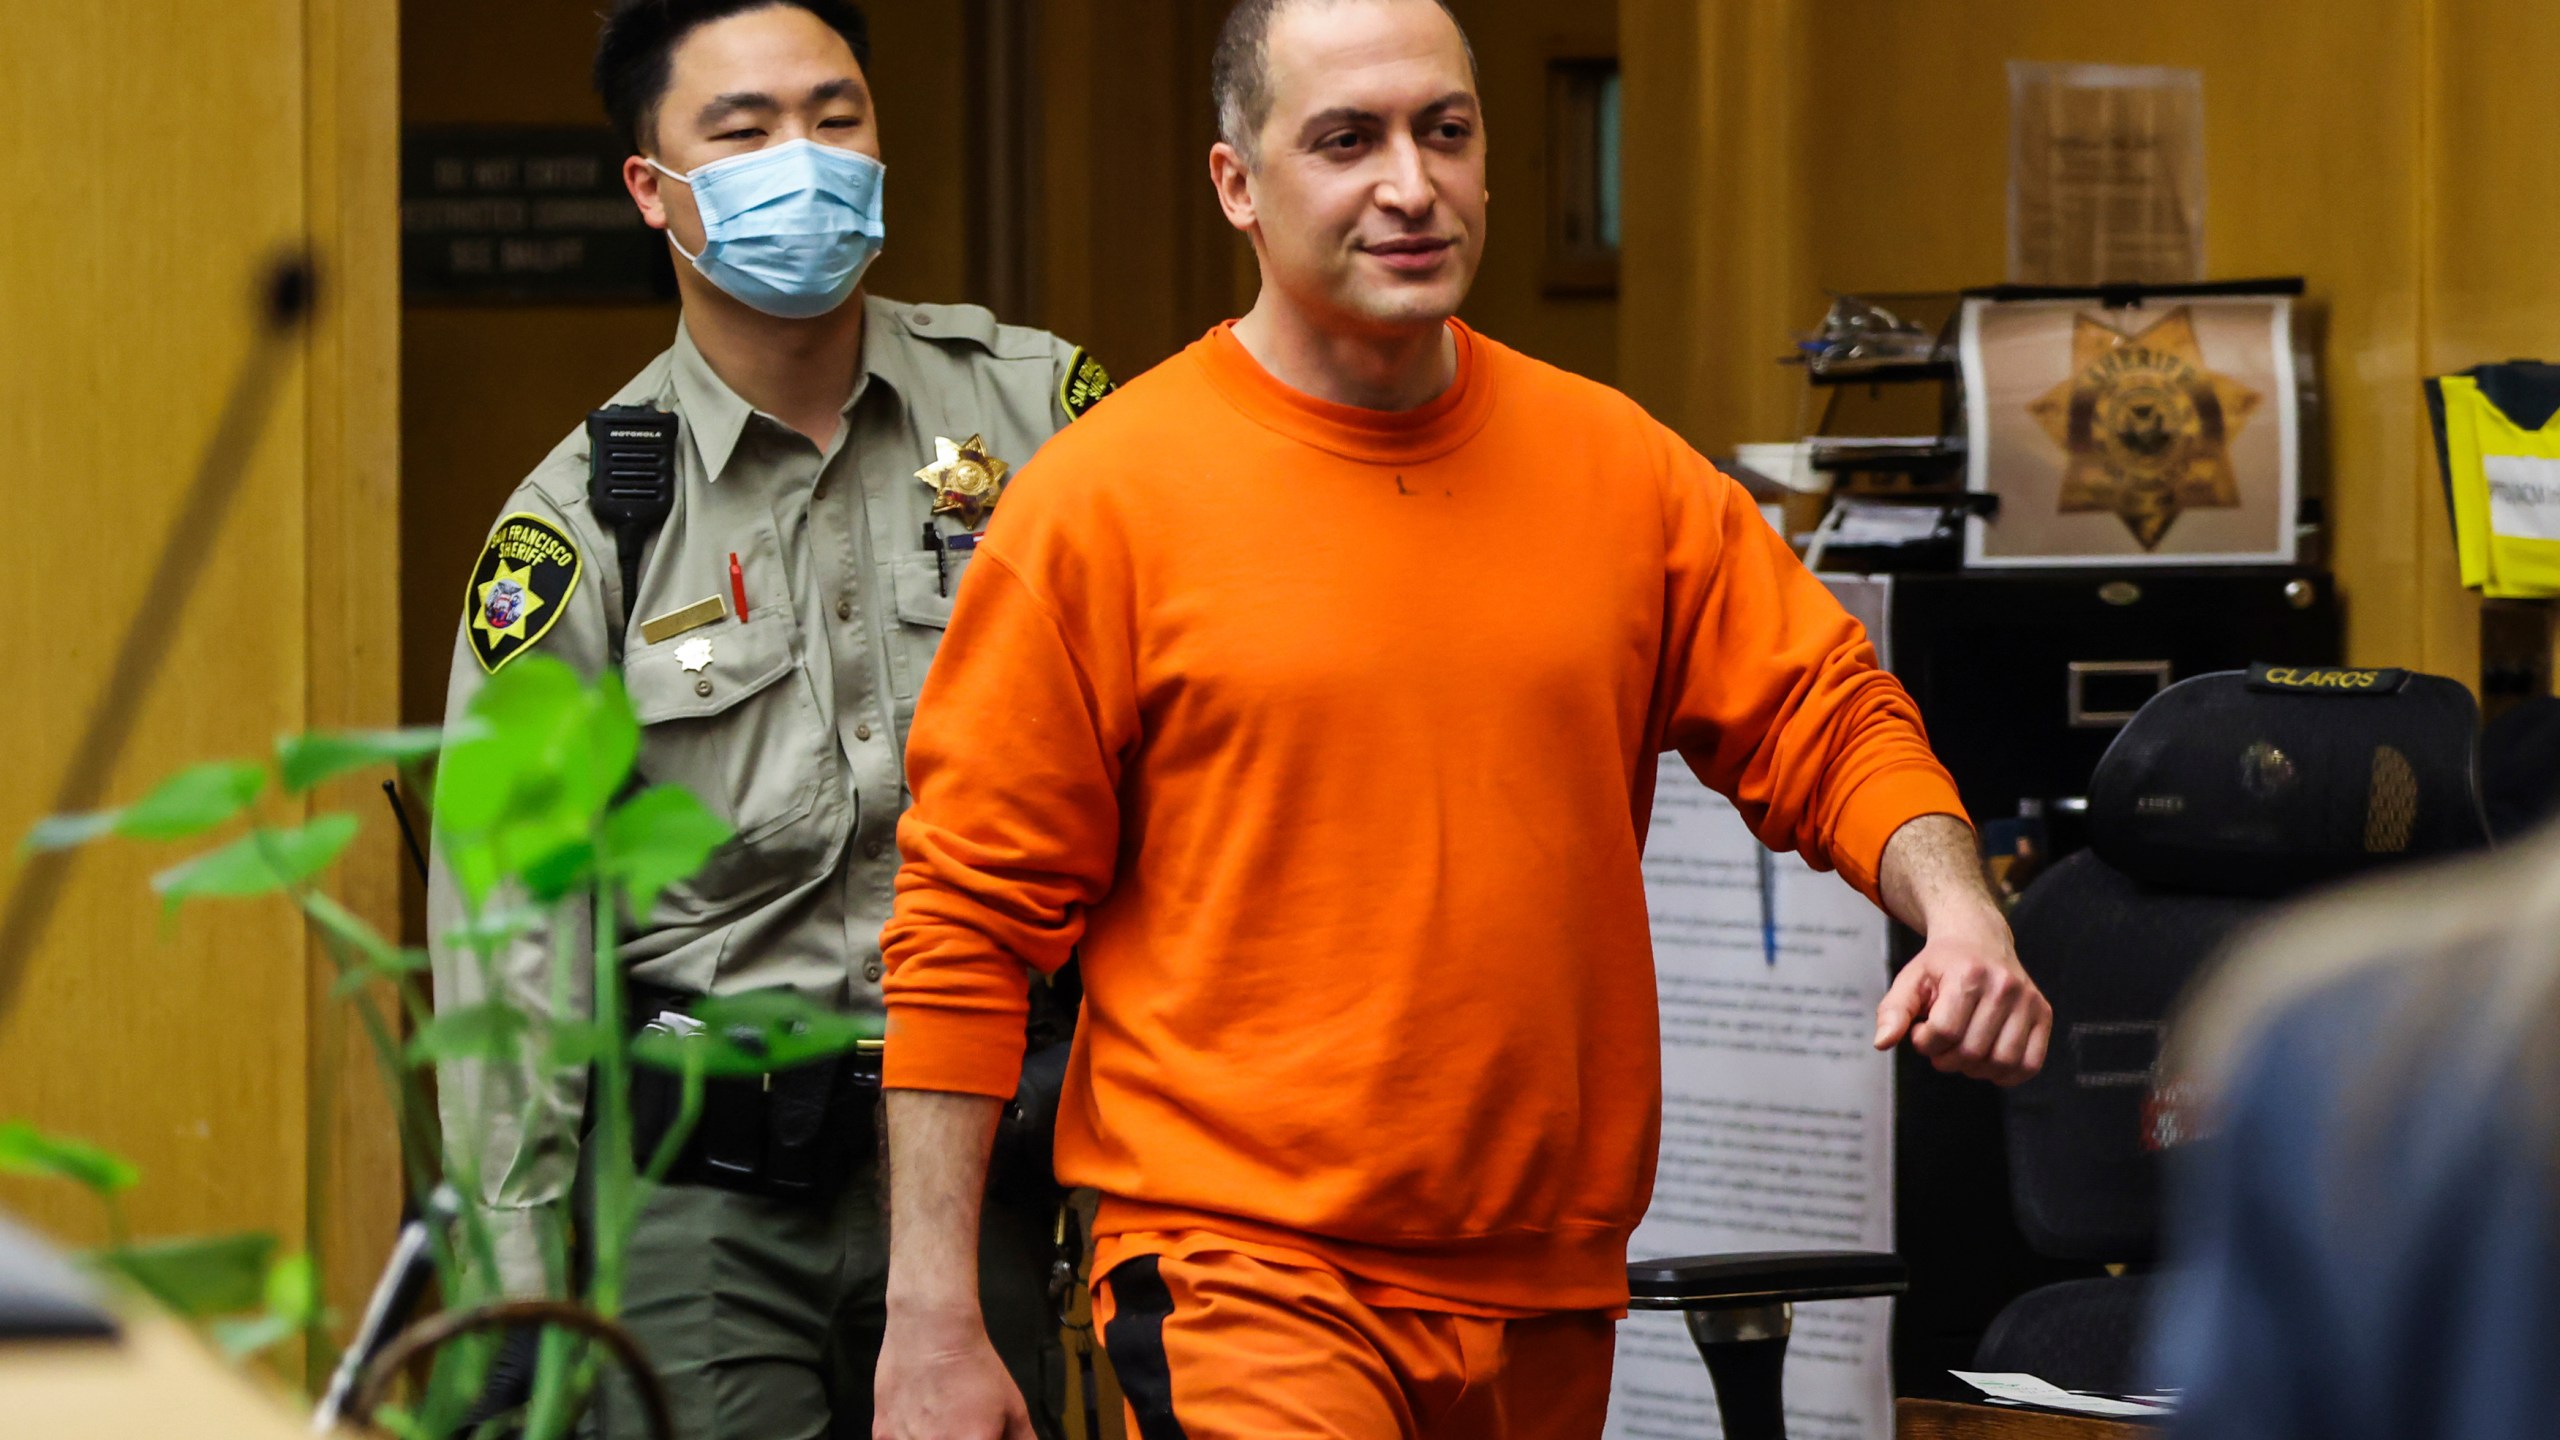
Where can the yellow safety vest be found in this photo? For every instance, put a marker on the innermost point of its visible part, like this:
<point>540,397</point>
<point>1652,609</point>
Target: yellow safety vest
<point>2506,494</point>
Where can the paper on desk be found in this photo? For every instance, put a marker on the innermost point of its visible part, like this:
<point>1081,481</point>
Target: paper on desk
<point>1777,1126</point>
<point>1790,465</point>
<point>2029,1390</point>
<point>1886,524</point>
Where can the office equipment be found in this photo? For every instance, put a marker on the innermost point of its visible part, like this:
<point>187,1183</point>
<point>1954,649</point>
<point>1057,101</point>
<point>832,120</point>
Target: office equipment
<point>2024,676</point>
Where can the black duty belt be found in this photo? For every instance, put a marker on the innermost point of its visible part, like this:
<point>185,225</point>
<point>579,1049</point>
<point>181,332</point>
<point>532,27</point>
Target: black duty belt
<point>797,1132</point>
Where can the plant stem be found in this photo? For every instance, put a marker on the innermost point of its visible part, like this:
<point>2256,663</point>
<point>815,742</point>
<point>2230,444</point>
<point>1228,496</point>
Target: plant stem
<point>688,1114</point>
<point>554,1387</point>
<point>611,1159</point>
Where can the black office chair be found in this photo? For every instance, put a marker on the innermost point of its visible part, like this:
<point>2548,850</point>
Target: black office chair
<point>2520,767</point>
<point>2225,796</point>
<point>1741,1309</point>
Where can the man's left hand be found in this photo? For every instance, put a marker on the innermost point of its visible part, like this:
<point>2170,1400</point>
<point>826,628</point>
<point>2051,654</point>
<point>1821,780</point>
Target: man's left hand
<point>1966,1003</point>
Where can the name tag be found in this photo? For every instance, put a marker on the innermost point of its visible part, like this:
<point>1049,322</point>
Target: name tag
<point>676,622</point>
<point>2524,496</point>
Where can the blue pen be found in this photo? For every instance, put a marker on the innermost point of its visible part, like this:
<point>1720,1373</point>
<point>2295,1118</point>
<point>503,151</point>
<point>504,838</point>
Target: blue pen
<point>1768,906</point>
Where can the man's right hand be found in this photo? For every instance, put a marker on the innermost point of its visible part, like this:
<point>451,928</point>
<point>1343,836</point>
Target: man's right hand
<point>940,1379</point>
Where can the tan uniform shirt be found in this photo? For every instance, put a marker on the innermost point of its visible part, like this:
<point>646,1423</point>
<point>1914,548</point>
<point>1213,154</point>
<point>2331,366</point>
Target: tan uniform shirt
<point>792,730</point>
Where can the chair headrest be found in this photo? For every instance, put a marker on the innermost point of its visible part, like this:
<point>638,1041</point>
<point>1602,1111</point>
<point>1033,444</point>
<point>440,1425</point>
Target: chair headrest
<point>2267,780</point>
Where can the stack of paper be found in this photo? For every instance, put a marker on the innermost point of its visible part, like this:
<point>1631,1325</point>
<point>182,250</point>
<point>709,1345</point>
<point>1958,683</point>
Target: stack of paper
<point>2016,1389</point>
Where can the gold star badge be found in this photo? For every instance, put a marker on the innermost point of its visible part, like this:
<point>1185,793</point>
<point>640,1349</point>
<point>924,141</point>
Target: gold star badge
<point>965,479</point>
<point>2147,427</point>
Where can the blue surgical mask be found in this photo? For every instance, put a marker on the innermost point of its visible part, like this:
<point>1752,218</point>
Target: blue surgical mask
<point>788,229</point>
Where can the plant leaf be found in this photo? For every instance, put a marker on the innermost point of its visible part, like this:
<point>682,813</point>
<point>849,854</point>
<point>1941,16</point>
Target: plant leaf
<point>753,1033</point>
<point>601,755</point>
<point>401,1423</point>
<point>292,1306</point>
<point>553,874</point>
<point>667,1051</point>
<point>389,968</point>
<point>343,925</point>
<point>241,1339</point>
<point>496,928</point>
<point>656,838</point>
<point>517,712</point>
<point>25,1150</point>
<point>62,832</point>
<point>303,761</point>
<point>193,801</point>
<point>293,1289</point>
<point>577,1044</point>
<point>489,1030</point>
<point>244,866</point>
<point>190,802</point>
<point>549,749</point>
<point>201,1277</point>
<point>520,797</point>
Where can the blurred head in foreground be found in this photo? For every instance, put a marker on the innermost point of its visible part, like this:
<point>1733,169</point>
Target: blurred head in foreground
<point>2363,1243</point>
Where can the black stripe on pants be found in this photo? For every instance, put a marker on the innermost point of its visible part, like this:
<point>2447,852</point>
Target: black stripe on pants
<point>1135,1341</point>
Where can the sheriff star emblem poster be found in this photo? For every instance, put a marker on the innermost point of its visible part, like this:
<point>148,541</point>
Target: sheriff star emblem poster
<point>2163,432</point>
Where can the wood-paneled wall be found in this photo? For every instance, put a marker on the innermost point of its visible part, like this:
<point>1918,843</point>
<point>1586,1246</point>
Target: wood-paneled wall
<point>1513,43</point>
<point>1135,260</point>
<point>197,1045</point>
<point>2377,147</point>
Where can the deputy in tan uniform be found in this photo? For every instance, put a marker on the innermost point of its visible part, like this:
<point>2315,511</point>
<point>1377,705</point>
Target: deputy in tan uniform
<point>834,454</point>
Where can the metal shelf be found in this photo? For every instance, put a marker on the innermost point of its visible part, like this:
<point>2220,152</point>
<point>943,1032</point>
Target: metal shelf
<point>1888,372</point>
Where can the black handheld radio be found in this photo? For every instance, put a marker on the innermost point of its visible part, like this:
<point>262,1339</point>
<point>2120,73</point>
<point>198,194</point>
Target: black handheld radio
<point>631,480</point>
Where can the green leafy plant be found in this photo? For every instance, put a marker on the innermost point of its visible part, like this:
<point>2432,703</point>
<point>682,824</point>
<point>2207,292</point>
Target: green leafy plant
<point>538,816</point>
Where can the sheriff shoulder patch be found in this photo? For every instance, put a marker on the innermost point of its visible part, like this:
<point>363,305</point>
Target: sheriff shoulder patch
<point>1086,383</point>
<point>520,588</point>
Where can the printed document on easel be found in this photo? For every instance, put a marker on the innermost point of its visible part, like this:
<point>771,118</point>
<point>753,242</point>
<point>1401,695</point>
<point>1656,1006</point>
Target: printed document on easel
<point>1777,1126</point>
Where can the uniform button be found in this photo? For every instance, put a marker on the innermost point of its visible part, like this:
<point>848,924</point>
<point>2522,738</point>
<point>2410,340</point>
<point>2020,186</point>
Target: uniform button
<point>861,732</point>
<point>701,687</point>
<point>844,609</point>
<point>871,971</point>
<point>872,850</point>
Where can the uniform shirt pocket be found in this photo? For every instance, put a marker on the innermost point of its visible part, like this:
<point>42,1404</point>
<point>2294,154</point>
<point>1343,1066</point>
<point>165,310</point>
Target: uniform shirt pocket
<point>743,732</point>
<point>924,585</point>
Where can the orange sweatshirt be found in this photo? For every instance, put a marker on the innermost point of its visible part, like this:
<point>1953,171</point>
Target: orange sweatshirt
<point>1330,736</point>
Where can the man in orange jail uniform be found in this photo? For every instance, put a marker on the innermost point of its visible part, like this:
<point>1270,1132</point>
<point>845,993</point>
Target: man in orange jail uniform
<point>1313,688</point>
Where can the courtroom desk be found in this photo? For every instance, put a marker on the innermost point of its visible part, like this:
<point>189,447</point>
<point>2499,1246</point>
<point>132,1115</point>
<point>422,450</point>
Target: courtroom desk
<point>1915,1419</point>
<point>158,1380</point>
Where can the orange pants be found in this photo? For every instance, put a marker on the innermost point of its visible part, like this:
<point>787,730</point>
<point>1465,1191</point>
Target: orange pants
<point>1216,1345</point>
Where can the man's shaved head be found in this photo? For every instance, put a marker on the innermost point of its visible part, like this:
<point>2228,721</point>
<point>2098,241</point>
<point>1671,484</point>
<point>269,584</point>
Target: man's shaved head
<point>1240,71</point>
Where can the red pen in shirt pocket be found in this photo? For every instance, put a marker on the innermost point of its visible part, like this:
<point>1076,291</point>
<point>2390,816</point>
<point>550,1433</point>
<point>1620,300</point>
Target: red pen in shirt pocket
<point>738,586</point>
